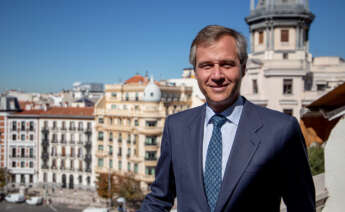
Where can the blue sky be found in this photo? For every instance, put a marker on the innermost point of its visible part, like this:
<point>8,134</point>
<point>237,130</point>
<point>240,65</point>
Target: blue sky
<point>47,45</point>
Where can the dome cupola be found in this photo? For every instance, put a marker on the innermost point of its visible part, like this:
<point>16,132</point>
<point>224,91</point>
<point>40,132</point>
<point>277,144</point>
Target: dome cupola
<point>152,92</point>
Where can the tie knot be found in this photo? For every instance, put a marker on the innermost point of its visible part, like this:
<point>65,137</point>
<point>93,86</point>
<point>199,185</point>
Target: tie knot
<point>218,120</point>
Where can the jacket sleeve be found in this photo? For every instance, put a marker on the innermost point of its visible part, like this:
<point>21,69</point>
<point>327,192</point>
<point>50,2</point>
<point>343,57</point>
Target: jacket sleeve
<point>163,191</point>
<point>298,188</point>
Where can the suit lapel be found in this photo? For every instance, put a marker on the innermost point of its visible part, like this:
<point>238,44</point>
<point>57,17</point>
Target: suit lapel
<point>194,137</point>
<point>244,147</point>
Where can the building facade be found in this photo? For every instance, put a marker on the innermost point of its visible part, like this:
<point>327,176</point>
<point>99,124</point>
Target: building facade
<point>66,136</point>
<point>129,125</point>
<point>281,73</point>
<point>22,148</point>
<point>8,105</point>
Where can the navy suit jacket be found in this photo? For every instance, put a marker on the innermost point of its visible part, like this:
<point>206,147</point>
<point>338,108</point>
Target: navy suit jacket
<point>268,161</point>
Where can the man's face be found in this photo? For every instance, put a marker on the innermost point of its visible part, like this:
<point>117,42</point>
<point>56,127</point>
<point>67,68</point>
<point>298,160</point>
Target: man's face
<point>218,71</point>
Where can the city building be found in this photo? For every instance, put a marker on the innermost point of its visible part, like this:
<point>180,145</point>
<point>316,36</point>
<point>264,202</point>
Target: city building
<point>281,73</point>
<point>8,105</point>
<point>92,91</point>
<point>129,125</point>
<point>51,146</point>
<point>65,154</point>
<point>22,147</point>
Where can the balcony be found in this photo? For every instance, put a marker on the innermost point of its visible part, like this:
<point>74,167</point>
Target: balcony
<point>63,128</point>
<point>45,130</point>
<point>80,129</point>
<point>55,141</point>
<point>63,141</point>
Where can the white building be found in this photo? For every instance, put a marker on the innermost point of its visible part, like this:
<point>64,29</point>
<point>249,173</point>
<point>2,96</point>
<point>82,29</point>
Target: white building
<point>22,147</point>
<point>66,136</point>
<point>281,73</point>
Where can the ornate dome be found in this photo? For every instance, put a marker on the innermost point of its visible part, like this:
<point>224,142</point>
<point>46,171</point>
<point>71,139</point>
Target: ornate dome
<point>152,93</point>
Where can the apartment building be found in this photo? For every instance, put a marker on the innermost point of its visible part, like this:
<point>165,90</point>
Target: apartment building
<point>129,125</point>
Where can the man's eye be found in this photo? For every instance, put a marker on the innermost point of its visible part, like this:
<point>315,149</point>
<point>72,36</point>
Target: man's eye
<point>228,65</point>
<point>205,66</point>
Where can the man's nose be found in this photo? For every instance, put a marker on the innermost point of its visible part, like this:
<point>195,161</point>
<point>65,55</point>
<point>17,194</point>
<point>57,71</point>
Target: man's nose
<point>217,72</point>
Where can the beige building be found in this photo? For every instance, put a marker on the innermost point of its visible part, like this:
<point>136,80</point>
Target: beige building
<point>129,125</point>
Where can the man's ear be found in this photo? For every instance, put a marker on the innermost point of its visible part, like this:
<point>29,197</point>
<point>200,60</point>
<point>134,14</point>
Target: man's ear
<point>243,69</point>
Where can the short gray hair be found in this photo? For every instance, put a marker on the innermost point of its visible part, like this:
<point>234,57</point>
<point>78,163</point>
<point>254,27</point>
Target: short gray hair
<point>212,33</point>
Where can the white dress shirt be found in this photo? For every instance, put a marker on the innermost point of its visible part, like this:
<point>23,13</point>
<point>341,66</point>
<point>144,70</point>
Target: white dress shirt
<point>233,115</point>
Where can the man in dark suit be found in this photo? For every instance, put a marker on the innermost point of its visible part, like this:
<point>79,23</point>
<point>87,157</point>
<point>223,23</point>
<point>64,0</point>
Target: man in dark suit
<point>229,154</point>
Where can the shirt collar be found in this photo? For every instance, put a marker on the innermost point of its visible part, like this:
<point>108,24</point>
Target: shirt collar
<point>232,113</point>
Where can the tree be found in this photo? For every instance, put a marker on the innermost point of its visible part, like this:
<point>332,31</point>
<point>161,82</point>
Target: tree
<point>316,159</point>
<point>4,177</point>
<point>128,187</point>
<point>103,185</point>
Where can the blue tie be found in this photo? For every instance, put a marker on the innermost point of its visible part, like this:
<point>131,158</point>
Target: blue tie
<point>213,167</point>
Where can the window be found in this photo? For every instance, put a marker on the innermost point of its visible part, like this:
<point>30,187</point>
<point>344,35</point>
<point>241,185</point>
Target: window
<point>63,140</point>
<point>14,125</point>
<point>63,151</point>
<point>14,164</point>
<point>110,136</point>
<point>261,37</point>
<point>150,155</point>
<point>31,153</point>
<point>54,125</point>
<point>31,178</point>
<point>100,136</point>
<point>80,165</point>
<point>23,125</point>
<point>255,86</point>
<point>136,168</point>
<point>284,35</point>
<point>31,164</point>
<point>113,94</point>
<point>31,127</point>
<point>111,163</point>
<point>22,164</point>
<point>151,123</point>
<point>287,86</point>
<point>80,126</point>
<point>100,120</point>
<point>22,152</point>
<point>151,140</point>
<point>110,150</point>
<point>14,152</point>
<point>288,111</point>
<point>31,137</point>
<point>113,106</point>
<point>136,122</point>
<point>129,166</point>
<point>100,147</point>
<point>71,165</point>
<point>127,97</point>
<point>54,178</point>
<point>120,151</point>
<point>63,127</point>
<point>22,137</point>
<point>321,87</point>
<point>128,152</point>
<point>120,137</point>
<point>120,165</point>
<point>150,170</point>
<point>72,125</point>
<point>100,162</point>
<point>136,97</point>
<point>285,55</point>
<point>72,152</point>
<point>14,137</point>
